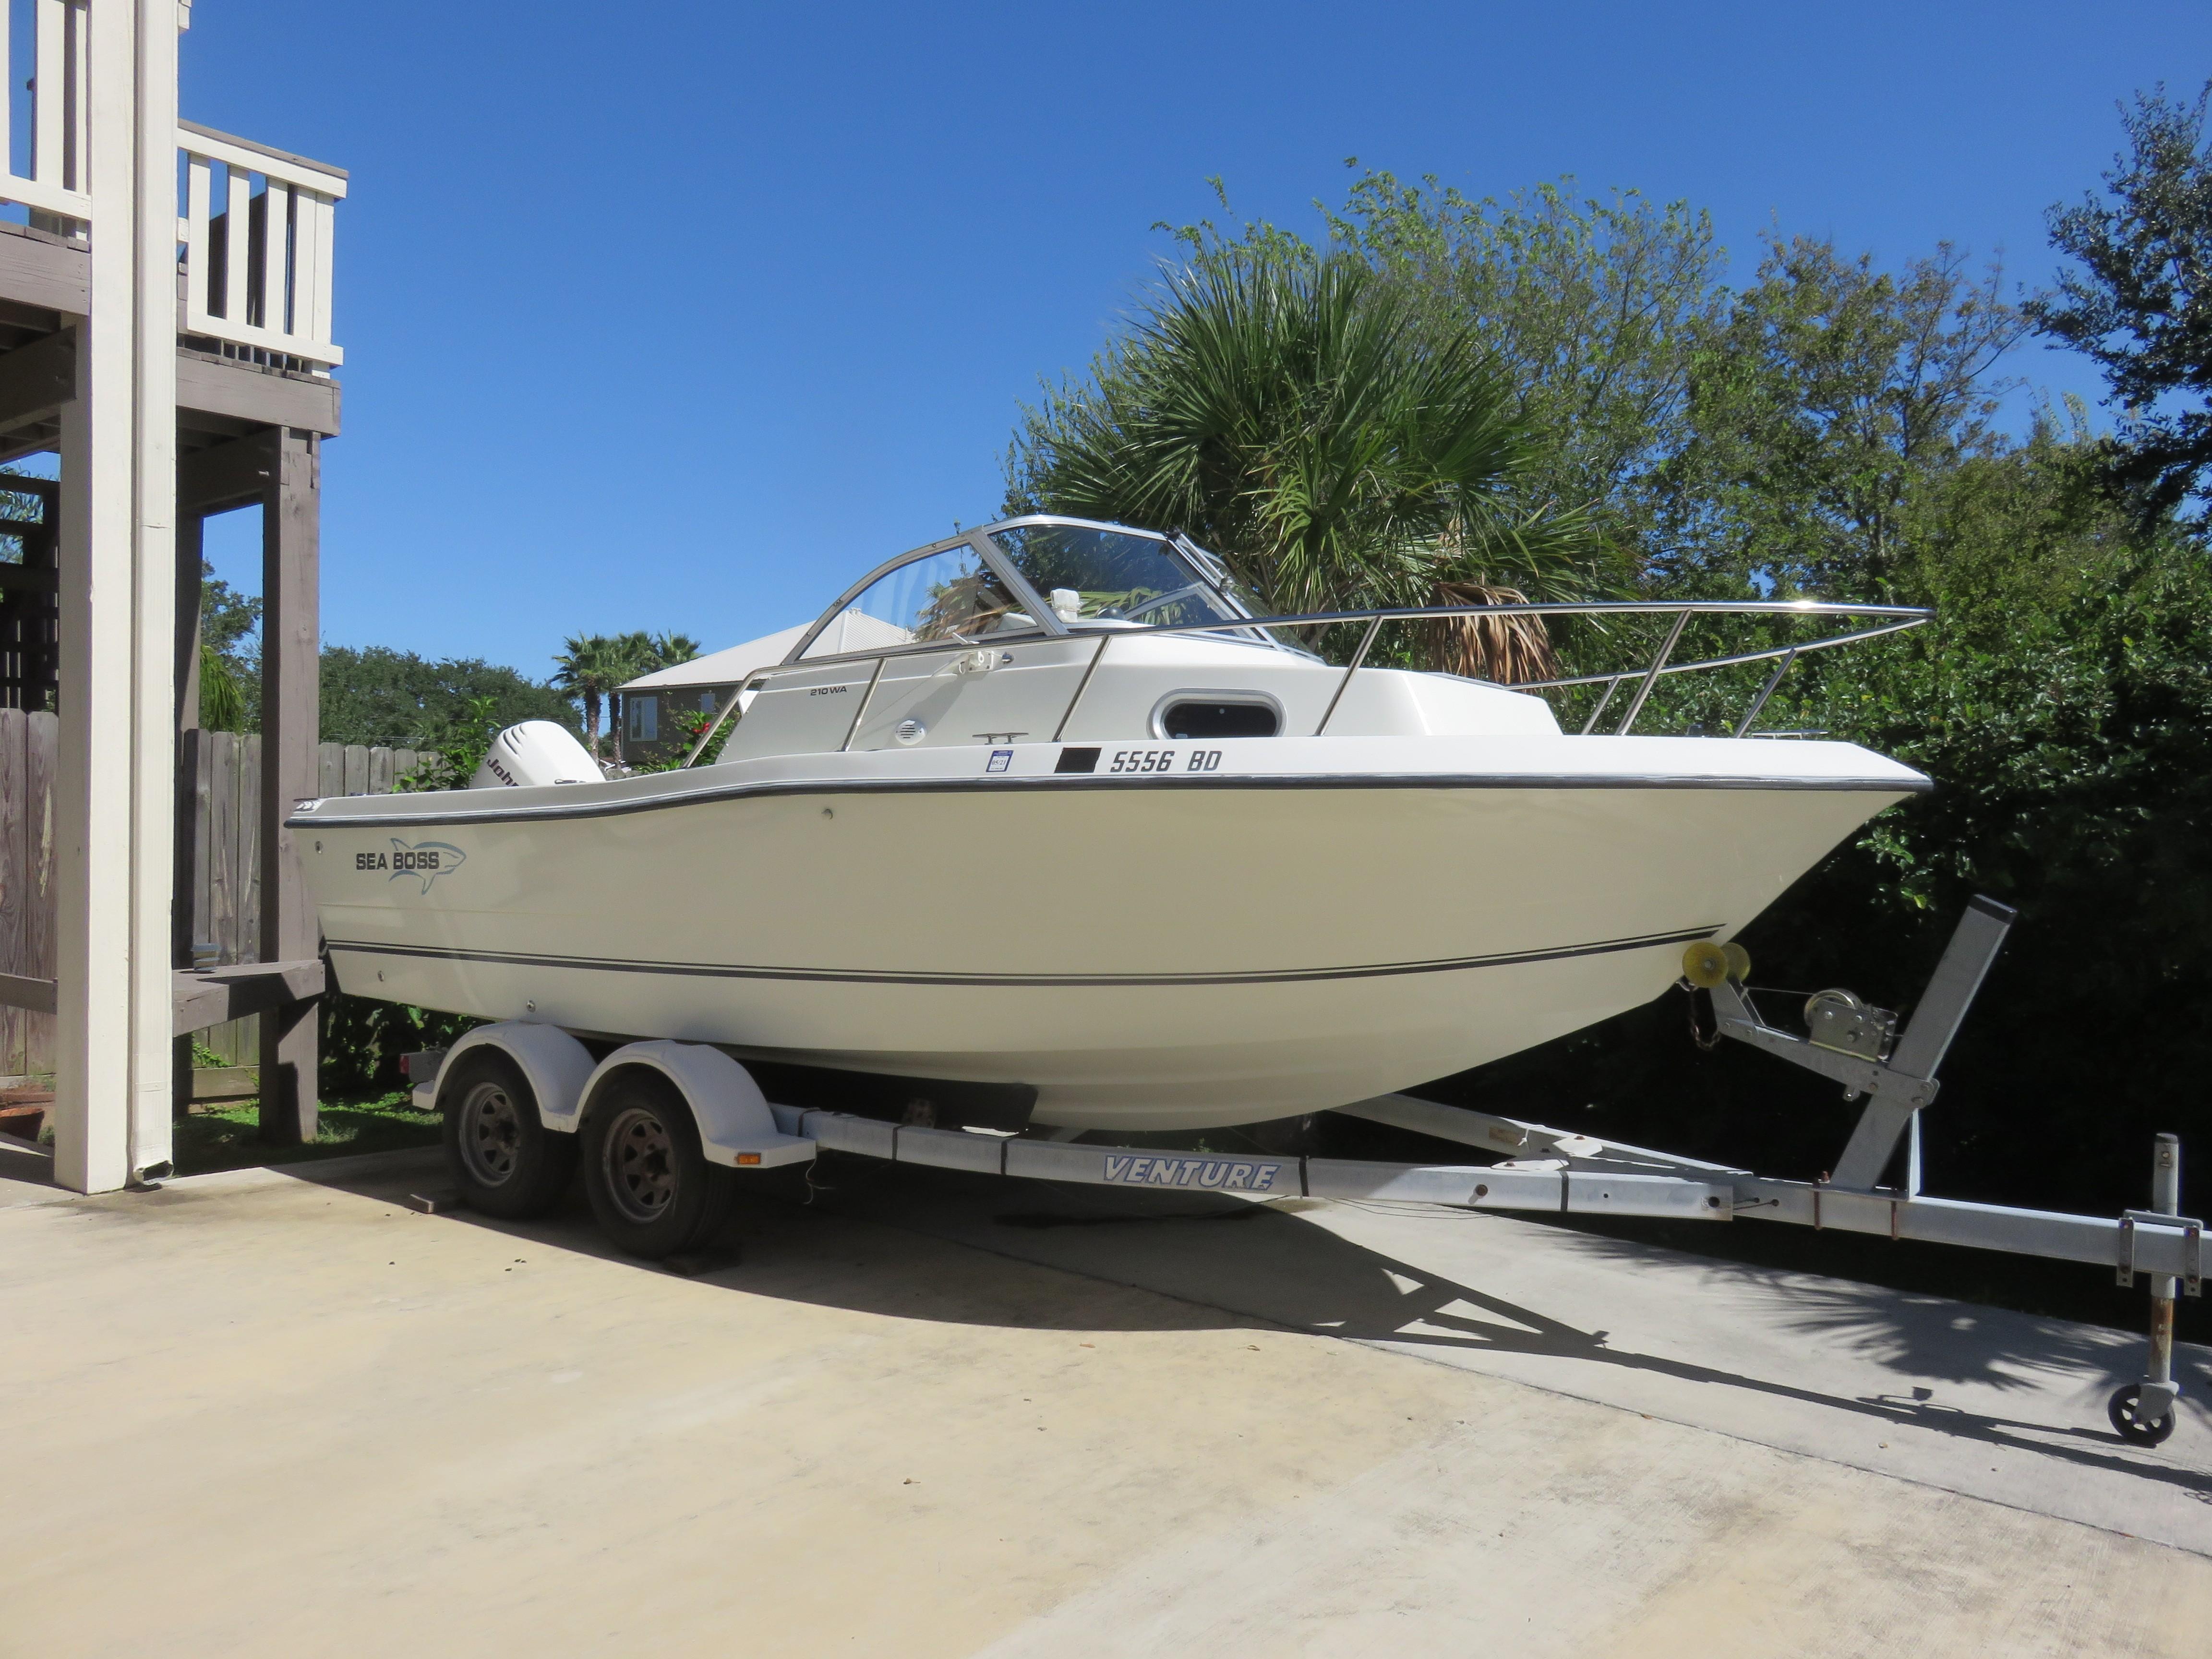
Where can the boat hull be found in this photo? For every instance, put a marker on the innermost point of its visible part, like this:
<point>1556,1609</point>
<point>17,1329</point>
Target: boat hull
<point>1182,949</point>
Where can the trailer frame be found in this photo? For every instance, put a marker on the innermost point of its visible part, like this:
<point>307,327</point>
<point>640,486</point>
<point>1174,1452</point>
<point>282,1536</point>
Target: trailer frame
<point>1543,1170</point>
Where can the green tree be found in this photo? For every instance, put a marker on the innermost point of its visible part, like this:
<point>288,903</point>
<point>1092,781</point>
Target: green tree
<point>1823,401</point>
<point>2141,304</point>
<point>222,702</point>
<point>230,655</point>
<point>1592,309</point>
<point>669,649</point>
<point>588,669</point>
<point>630,655</point>
<point>594,667</point>
<point>378,696</point>
<point>1296,415</point>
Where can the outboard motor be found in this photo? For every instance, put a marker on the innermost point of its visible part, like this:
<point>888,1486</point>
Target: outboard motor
<point>534,753</point>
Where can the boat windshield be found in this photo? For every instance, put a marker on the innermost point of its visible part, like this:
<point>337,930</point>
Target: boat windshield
<point>1088,575</point>
<point>950,595</point>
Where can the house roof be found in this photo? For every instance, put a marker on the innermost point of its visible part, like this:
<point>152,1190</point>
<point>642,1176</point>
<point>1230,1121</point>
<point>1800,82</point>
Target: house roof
<point>724,667</point>
<point>851,630</point>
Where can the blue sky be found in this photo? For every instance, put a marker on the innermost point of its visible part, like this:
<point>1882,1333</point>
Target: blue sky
<point>678,316</point>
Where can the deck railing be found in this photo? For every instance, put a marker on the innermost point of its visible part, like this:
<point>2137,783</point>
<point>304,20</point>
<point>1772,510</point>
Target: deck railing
<point>52,180</point>
<point>255,231</point>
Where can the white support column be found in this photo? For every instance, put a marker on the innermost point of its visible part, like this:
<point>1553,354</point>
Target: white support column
<point>154,621</point>
<point>112,823</point>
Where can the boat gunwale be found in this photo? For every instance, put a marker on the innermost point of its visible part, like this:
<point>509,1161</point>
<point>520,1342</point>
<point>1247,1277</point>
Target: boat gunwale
<point>706,795</point>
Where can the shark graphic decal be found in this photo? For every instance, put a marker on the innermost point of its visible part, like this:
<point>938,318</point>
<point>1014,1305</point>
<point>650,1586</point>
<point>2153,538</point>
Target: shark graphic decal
<point>426,860</point>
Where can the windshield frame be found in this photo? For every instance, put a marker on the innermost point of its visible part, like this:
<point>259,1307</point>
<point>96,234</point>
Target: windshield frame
<point>1047,626</point>
<point>1209,575</point>
<point>1208,571</point>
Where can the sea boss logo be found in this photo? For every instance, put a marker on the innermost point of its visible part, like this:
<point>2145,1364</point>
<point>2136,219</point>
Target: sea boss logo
<point>1221,1174</point>
<point>428,859</point>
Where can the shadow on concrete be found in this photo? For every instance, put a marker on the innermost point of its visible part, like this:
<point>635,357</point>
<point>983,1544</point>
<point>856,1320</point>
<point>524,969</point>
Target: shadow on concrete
<point>1215,1257</point>
<point>27,1172</point>
<point>1938,1338</point>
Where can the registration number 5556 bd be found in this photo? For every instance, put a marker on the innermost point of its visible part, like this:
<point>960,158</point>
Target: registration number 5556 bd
<point>1165,760</point>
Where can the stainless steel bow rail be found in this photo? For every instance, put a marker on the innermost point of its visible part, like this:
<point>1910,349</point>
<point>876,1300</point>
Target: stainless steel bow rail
<point>1879,619</point>
<point>1883,619</point>
<point>1558,1171</point>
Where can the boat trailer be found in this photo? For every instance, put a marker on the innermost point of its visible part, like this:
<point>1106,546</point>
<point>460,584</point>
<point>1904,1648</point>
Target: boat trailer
<point>1544,1171</point>
<point>1555,1171</point>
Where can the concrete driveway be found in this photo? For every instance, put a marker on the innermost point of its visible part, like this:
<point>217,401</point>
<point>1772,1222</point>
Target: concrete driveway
<point>266,1413</point>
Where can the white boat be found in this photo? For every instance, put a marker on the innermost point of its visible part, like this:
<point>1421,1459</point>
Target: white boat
<point>1038,824</point>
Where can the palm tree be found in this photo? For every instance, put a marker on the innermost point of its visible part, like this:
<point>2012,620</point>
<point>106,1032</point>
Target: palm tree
<point>1299,416</point>
<point>222,703</point>
<point>589,669</point>
<point>669,649</point>
<point>594,668</point>
<point>629,655</point>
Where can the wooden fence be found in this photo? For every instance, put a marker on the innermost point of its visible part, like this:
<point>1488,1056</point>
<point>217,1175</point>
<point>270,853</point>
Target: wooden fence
<point>28,743</point>
<point>222,772</point>
<point>218,897</point>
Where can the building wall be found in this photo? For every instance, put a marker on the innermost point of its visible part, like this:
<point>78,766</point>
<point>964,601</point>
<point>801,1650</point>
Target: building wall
<point>651,732</point>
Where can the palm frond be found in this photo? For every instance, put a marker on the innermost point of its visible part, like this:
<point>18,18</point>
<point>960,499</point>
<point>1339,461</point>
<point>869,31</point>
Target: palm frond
<point>222,701</point>
<point>1296,415</point>
<point>1506,650</point>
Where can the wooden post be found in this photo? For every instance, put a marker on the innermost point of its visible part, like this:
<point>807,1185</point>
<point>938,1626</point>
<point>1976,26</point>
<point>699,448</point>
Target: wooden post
<point>16,898</point>
<point>290,721</point>
<point>189,853</point>
<point>190,539</point>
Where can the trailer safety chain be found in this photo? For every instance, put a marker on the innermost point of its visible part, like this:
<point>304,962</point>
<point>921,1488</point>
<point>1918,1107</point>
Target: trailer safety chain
<point>1706,1039</point>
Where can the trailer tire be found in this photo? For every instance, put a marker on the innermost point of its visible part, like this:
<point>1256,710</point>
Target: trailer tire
<point>650,1186</point>
<point>2122,1409</point>
<point>504,1159</point>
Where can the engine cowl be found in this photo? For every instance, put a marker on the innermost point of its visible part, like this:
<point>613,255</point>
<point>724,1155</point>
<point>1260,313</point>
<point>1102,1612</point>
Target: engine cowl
<point>534,753</point>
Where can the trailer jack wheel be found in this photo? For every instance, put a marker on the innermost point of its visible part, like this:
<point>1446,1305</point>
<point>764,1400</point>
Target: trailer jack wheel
<point>2123,1408</point>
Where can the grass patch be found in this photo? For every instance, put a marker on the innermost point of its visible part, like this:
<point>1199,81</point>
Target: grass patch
<point>229,1137</point>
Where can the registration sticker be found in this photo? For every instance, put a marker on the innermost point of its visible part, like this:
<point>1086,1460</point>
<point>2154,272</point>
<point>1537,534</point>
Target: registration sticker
<point>1000,760</point>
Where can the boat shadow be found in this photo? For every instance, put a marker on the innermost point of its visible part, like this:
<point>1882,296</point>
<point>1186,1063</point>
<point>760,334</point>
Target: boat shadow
<point>828,1237</point>
<point>1270,1263</point>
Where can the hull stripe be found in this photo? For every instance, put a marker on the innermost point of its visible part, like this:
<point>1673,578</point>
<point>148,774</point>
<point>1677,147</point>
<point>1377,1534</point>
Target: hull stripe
<point>657,803</point>
<point>892,976</point>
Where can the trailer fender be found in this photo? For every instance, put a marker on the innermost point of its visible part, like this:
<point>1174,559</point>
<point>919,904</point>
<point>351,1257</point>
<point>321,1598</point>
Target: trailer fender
<point>736,1126</point>
<point>554,1064</point>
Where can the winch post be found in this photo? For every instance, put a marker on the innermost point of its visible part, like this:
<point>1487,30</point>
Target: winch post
<point>2158,1384</point>
<point>1974,945</point>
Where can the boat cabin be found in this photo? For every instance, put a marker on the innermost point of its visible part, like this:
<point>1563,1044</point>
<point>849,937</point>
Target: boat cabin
<point>1051,629</point>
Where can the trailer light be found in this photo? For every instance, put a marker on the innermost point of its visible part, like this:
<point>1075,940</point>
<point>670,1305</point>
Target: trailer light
<point>747,1159</point>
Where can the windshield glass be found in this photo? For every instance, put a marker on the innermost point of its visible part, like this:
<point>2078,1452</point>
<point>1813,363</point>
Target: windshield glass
<point>1111,575</point>
<point>951,595</point>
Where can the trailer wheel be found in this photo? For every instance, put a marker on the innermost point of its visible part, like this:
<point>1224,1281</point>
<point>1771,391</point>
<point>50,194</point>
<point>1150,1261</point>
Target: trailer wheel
<point>650,1185</point>
<point>504,1159</point>
<point>2122,1409</point>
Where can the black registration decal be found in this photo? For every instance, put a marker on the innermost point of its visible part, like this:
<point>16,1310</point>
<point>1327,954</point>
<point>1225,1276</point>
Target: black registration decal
<point>1164,760</point>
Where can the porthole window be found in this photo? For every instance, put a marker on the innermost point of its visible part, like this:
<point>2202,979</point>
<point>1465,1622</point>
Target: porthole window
<point>1204,714</point>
